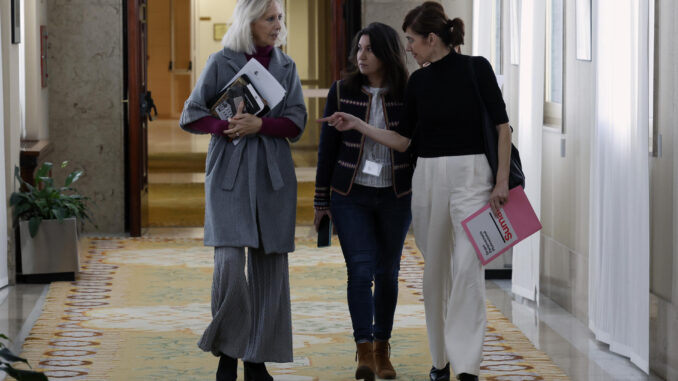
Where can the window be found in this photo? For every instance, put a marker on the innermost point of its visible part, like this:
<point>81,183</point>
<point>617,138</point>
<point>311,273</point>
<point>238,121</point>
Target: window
<point>553,89</point>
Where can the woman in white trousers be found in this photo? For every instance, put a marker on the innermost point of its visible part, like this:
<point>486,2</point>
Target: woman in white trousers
<point>443,129</point>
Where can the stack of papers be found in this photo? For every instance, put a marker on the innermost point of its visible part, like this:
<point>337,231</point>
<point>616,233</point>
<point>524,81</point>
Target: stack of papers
<point>255,86</point>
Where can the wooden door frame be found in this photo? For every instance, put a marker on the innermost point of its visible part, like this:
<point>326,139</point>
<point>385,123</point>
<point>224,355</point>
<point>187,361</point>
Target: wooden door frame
<point>134,147</point>
<point>337,40</point>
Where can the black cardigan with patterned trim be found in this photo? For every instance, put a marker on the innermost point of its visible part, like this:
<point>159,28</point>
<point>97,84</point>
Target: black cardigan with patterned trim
<point>339,153</point>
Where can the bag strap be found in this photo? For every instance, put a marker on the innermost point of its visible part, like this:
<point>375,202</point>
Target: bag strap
<point>474,79</point>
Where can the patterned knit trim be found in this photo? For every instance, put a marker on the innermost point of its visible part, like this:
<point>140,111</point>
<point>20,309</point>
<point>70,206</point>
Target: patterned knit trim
<point>401,166</point>
<point>347,165</point>
<point>394,104</point>
<point>352,145</point>
<point>352,102</point>
<point>394,123</point>
<point>321,201</point>
<point>322,188</point>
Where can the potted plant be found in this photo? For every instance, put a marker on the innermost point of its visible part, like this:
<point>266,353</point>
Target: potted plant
<point>47,218</point>
<point>7,358</point>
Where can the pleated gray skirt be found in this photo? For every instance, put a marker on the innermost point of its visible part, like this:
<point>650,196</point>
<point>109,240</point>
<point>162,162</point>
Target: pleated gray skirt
<point>251,315</point>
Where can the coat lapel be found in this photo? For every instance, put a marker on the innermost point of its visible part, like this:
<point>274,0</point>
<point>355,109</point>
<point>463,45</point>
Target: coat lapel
<point>235,60</point>
<point>278,66</point>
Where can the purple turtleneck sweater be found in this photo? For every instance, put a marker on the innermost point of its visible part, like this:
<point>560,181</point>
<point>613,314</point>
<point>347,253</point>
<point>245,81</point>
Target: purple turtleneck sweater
<point>279,127</point>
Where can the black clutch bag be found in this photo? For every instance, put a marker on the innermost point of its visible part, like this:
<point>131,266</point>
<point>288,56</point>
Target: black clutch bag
<point>325,232</point>
<point>491,141</point>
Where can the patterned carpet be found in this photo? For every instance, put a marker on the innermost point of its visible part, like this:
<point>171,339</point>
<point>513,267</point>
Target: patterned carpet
<point>139,305</point>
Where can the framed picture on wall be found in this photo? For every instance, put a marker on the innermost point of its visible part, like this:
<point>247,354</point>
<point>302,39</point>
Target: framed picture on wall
<point>219,30</point>
<point>16,21</point>
<point>583,29</point>
<point>514,15</point>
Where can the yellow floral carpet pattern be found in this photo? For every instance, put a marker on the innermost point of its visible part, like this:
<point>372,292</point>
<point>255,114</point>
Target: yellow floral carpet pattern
<point>140,304</point>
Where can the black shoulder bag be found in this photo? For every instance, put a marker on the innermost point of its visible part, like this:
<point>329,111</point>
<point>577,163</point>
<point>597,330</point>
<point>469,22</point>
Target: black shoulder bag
<point>491,140</point>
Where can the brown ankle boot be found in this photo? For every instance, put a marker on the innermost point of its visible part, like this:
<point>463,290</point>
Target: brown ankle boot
<point>382,354</point>
<point>365,357</point>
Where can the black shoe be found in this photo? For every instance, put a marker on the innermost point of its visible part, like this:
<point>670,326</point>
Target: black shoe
<point>228,368</point>
<point>467,377</point>
<point>256,371</point>
<point>440,374</point>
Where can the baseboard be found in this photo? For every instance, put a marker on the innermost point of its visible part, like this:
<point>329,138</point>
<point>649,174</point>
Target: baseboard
<point>498,274</point>
<point>45,278</point>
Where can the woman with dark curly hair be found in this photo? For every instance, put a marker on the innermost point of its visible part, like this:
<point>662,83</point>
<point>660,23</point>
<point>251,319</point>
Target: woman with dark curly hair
<point>366,189</point>
<point>452,180</point>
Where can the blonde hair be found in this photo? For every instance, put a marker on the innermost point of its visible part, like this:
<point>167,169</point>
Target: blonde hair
<point>239,36</point>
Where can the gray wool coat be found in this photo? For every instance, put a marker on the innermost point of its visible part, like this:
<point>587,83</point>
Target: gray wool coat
<point>251,187</point>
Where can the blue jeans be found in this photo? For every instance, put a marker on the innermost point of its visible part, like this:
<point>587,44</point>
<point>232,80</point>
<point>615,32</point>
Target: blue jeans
<point>372,224</point>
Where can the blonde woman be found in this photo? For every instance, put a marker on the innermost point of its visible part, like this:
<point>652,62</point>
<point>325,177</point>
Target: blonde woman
<point>250,197</point>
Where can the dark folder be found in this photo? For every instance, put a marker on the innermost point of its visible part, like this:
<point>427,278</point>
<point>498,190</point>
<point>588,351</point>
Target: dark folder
<point>325,232</point>
<point>225,105</point>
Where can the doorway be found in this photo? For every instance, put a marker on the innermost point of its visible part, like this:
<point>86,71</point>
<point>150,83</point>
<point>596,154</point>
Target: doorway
<point>175,158</point>
<point>181,36</point>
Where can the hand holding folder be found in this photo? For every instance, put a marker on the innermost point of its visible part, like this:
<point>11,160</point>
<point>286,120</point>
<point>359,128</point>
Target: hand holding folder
<point>492,235</point>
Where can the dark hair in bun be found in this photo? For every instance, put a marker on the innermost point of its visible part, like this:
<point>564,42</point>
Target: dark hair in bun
<point>429,18</point>
<point>458,32</point>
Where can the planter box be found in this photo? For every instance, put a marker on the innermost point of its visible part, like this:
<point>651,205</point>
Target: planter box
<point>53,250</point>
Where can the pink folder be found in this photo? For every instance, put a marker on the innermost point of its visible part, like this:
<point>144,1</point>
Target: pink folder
<point>492,236</point>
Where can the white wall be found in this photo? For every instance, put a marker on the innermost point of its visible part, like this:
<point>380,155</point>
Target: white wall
<point>4,278</point>
<point>36,108</point>
<point>11,121</point>
<point>511,73</point>
<point>664,199</point>
<point>565,183</point>
<point>218,11</point>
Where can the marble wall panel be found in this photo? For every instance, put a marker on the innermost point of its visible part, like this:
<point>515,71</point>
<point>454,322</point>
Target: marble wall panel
<point>564,277</point>
<point>85,55</point>
<point>663,338</point>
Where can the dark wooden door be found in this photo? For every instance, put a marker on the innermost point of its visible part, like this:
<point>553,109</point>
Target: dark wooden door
<point>139,102</point>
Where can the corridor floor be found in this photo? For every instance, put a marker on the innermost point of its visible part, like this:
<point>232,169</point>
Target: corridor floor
<point>548,327</point>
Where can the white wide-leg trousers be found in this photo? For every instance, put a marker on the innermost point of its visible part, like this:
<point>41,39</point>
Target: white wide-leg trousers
<point>445,191</point>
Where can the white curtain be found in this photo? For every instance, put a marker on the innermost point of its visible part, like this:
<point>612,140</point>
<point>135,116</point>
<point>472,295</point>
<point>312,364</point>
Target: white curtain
<point>3,195</point>
<point>525,278</point>
<point>619,243</point>
<point>482,30</point>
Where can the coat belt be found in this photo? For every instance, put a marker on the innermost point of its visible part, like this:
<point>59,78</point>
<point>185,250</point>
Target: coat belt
<point>251,144</point>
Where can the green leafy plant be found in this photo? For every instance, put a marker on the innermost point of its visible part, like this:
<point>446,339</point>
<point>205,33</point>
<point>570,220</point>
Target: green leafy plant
<point>45,201</point>
<point>7,358</point>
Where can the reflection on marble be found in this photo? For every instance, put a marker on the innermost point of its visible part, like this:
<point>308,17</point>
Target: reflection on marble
<point>165,135</point>
<point>20,307</point>
<point>562,337</point>
<point>173,232</point>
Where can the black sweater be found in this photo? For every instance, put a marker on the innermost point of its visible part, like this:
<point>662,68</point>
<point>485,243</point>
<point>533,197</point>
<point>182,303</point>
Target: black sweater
<point>442,110</point>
